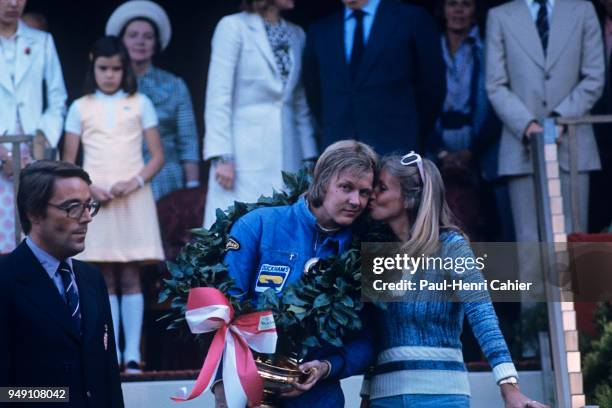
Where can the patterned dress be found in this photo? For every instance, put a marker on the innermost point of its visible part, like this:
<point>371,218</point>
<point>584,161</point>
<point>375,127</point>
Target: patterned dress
<point>177,128</point>
<point>7,205</point>
<point>7,215</point>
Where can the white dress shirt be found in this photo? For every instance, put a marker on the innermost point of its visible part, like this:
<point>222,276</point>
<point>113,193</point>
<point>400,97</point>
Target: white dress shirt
<point>350,24</point>
<point>534,7</point>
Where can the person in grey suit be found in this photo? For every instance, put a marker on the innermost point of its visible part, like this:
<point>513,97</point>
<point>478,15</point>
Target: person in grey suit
<point>529,78</point>
<point>544,59</point>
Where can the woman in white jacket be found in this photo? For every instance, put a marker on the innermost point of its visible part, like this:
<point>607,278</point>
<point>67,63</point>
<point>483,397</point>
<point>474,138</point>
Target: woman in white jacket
<point>257,119</point>
<point>27,58</point>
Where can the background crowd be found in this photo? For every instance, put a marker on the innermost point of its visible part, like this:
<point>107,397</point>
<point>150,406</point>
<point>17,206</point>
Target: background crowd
<point>464,91</point>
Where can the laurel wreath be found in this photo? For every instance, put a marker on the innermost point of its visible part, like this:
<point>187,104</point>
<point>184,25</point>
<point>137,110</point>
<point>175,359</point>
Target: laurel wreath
<point>322,307</point>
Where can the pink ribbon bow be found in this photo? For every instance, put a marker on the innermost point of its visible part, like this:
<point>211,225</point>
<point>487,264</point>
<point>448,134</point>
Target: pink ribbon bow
<point>209,310</point>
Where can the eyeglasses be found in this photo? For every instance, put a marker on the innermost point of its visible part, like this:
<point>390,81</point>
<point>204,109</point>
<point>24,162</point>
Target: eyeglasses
<point>75,210</point>
<point>414,158</point>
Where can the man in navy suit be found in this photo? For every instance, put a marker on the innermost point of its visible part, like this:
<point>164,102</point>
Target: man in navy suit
<point>55,320</point>
<point>374,72</point>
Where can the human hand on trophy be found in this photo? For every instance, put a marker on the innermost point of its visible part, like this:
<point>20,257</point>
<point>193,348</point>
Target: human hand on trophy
<point>219,393</point>
<point>315,370</point>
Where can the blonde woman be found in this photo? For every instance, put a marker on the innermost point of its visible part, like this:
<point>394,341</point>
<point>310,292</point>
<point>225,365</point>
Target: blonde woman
<point>420,362</point>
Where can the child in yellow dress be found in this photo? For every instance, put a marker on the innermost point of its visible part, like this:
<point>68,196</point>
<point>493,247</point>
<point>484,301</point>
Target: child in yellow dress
<point>110,121</point>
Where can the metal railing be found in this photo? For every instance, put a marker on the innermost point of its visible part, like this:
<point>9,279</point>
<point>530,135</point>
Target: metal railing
<point>556,312</point>
<point>555,318</point>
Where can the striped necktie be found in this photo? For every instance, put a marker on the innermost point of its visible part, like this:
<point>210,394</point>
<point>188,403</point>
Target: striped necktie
<point>542,23</point>
<point>70,293</point>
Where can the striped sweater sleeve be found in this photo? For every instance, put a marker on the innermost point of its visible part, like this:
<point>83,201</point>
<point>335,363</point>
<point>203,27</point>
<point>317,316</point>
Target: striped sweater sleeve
<point>481,316</point>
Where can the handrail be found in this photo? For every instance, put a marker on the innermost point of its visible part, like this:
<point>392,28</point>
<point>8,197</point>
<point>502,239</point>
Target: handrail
<point>561,314</point>
<point>539,144</point>
<point>583,120</point>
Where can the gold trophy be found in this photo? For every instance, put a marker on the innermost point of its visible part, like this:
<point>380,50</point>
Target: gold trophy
<point>278,374</point>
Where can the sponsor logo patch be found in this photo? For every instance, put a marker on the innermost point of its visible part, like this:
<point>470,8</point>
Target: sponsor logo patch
<point>232,244</point>
<point>272,276</point>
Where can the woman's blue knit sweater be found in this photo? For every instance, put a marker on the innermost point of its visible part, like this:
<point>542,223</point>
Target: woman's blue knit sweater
<point>419,340</point>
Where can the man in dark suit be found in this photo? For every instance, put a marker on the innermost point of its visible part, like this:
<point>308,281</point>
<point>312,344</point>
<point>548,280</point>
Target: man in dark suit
<point>55,320</point>
<point>374,72</point>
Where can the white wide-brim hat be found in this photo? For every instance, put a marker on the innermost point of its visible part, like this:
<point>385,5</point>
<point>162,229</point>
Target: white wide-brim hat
<point>140,8</point>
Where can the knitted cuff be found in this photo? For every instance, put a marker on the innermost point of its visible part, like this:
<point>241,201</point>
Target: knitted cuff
<point>504,370</point>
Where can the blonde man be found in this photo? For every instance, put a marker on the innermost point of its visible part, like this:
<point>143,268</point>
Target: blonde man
<point>271,246</point>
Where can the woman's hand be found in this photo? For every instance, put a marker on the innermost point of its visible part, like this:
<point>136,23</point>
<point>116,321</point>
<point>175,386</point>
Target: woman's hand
<point>225,174</point>
<point>464,158</point>
<point>101,195</point>
<point>316,370</point>
<point>7,162</point>
<point>123,188</point>
<point>456,161</point>
<point>514,399</point>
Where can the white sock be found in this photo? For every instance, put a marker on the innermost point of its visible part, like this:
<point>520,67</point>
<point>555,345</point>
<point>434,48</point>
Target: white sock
<point>132,310</point>
<point>114,306</point>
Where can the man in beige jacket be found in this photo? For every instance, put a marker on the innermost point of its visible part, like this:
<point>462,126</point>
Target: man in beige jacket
<point>544,59</point>
<point>527,82</point>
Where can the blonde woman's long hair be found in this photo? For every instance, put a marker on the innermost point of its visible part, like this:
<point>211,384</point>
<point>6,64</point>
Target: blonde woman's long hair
<point>428,210</point>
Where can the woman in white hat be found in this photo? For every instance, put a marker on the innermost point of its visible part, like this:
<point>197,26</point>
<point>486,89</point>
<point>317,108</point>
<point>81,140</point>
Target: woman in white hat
<point>145,30</point>
<point>257,119</point>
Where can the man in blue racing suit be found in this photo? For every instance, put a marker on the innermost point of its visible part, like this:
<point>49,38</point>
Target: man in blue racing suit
<point>271,247</point>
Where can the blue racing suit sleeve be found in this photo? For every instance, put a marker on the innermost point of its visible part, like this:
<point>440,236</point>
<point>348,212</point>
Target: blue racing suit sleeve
<point>242,255</point>
<point>242,259</point>
<point>356,355</point>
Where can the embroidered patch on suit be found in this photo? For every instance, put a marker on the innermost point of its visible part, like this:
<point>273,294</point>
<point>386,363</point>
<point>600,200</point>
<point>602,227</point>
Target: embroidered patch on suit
<point>232,244</point>
<point>272,276</point>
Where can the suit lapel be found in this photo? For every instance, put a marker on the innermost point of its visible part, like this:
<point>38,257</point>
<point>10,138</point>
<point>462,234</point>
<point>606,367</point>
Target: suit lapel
<point>25,51</point>
<point>523,29</point>
<point>87,300</point>
<point>561,29</point>
<point>258,31</point>
<point>42,292</point>
<point>380,34</point>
